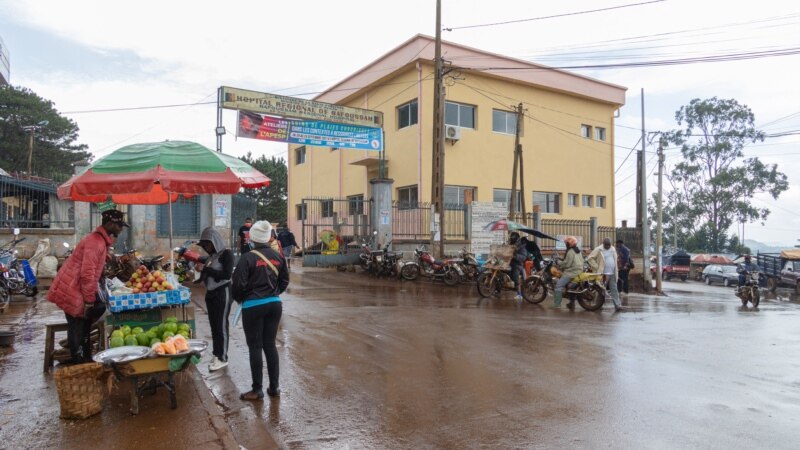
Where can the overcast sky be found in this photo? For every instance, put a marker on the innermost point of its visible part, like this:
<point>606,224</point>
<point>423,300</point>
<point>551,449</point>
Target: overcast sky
<point>94,55</point>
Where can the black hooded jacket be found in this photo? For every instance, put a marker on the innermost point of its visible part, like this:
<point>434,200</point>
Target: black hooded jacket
<point>253,279</point>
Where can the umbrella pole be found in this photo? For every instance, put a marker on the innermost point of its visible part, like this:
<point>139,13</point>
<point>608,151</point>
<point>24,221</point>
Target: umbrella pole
<point>171,253</point>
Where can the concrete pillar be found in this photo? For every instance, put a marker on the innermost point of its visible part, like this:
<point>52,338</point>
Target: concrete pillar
<point>593,233</point>
<point>382,209</point>
<point>537,221</point>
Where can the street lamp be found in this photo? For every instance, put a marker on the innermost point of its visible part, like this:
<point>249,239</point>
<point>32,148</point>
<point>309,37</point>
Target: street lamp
<point>33,129</point>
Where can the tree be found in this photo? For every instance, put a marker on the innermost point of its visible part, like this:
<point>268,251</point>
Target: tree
<point>55,144</point>
<point>271,200</point>
<point>714,184</point>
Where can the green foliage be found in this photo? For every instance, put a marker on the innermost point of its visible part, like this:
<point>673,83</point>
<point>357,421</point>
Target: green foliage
<point>271,200</point>
<point>54,145</point>
<point>713,186</point>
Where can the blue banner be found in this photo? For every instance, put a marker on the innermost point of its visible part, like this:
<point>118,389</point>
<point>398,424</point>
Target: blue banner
<point>317,133</point>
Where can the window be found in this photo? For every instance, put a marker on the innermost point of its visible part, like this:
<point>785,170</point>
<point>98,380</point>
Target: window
<point>327,208</point>
<point>300,155</point>
<point>586,201</point>
<point>459,115</point>
<point>300,211</point>
<point>185,218</point>
<point>586,131</point>
<point>601,201</point>
<point>504,196</point>
<point>455,197</point>
<point>407,114</point>
<point>355,205</point>
<point>572,200</point>
<point>600,133</point>
<point>504,122</point>
<point>407,197</point>
<point>548,202</point>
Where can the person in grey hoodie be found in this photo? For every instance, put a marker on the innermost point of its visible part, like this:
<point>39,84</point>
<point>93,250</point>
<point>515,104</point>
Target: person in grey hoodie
<point>217,272</point>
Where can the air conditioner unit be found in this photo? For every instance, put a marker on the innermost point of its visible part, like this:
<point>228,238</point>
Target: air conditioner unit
<point>452,132</point>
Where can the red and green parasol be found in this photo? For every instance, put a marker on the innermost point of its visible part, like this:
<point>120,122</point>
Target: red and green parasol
<point>145,173</point>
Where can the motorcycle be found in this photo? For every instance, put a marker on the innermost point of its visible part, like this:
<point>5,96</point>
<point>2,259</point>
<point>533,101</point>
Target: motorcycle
<point>426,265</point>
<point>185,260</point>
<point>749,292</point>
<point>588,288</point>
<point>469,265</point>
<point>17,274</point>
<point>495,278</point>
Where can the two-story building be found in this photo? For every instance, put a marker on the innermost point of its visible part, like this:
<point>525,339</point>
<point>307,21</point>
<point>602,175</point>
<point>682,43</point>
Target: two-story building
<point>567,134</point>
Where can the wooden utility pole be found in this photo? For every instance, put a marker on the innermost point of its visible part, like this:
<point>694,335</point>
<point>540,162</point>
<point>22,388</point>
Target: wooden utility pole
<point>643,207</point>
<point>518,168</point>
<point>437,183</point>
<point>659,230</point>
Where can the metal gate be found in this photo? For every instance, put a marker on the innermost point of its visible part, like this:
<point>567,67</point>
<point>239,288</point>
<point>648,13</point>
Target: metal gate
<point>242,207</point>
<point>335,225</point>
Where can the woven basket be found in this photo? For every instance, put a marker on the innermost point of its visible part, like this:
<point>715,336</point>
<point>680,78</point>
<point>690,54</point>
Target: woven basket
<point>82,388</point>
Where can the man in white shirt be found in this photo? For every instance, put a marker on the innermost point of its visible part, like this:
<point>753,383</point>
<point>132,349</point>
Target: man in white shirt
<point>603,259</point>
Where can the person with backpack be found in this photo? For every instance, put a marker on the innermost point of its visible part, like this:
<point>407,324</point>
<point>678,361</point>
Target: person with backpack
<point>624,266</point>
<point>259,279</point>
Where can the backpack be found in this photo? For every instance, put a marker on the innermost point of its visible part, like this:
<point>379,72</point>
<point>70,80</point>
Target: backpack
<point>630,263</point>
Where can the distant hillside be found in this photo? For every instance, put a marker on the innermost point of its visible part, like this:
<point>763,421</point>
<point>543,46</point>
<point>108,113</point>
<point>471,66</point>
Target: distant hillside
<point>760,247</point>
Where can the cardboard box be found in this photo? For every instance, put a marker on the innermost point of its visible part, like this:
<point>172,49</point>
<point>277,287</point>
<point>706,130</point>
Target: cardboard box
<point>132,302</point>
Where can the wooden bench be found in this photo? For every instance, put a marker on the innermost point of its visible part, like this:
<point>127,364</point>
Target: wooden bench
<point>49,340</point>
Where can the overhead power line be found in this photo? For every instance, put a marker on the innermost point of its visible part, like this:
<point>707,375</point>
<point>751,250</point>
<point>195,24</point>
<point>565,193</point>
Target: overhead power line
<point>576,13</point>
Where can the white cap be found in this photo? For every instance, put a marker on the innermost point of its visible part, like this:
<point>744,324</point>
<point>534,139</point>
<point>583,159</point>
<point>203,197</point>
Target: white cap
<point>261,232</point>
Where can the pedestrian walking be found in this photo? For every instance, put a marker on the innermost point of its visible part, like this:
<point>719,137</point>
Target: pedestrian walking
<point>261,276</point>
<point>603,259</point>
<point>624,266</point>
<point>518,262</point>
<point>244,236</point>
<point>286,238</point>
<point>216,273</point>
<point>76,288</point>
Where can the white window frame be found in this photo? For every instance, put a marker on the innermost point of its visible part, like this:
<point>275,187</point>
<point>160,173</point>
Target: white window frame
<point>459,195</point>
<point>586,131</point>
<point>409,107</point>
<point>600,202</point>
<point>572,200</point>
<point>555,201</point>
<point>355,205</point>
<point>301,211</point>
<point>509,122</point>
<point>506,197</point>
<point>589,203</point>
<point>599,133</point>
<point>461,107</point>
<point>409,202</point>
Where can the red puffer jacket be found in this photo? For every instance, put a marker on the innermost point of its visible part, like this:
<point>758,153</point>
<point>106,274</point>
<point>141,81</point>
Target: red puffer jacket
<point>76,282</point>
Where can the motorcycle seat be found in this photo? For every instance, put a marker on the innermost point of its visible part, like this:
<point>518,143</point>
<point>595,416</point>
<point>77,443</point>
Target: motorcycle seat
<point>588,276</point>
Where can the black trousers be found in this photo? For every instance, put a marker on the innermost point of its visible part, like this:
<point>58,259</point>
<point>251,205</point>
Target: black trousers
<point>260,328</point>
<point>218,305</point>
<point>622,280</point>
<point>78,330</point>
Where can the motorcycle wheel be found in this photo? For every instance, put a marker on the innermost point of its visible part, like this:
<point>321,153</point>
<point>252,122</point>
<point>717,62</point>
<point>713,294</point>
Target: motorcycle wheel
<point>451,277</point>
<point>5,297</point>
<point>755,298</point>
<point>485,286</point>
<point>30,291</point>
<point>534,290</point>
<point>409,272</point>
<point>592,299</point>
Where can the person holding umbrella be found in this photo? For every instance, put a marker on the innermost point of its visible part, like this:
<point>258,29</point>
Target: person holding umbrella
<point>259,279</point>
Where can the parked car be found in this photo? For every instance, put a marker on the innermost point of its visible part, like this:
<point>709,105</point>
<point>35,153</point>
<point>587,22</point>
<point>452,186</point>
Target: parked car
<point>674,266</point>
<point>725,275</point>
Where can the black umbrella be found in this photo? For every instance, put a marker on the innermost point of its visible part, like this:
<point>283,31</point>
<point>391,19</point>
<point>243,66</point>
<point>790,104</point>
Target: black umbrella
<point>537,233</point>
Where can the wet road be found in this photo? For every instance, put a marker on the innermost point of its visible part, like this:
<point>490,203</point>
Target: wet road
<point>371,363</point>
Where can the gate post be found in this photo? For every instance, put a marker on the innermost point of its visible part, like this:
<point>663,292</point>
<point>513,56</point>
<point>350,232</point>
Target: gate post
<point>537,221</point>
<point>593,232</point>
<point>382,209</point>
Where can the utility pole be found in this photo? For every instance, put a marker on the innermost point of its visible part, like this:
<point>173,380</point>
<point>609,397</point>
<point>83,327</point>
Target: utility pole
<point>644,227</point>
<point>32,129</point>
<point>437,184</point>
<point>659,230</point>
<point>512,206</point>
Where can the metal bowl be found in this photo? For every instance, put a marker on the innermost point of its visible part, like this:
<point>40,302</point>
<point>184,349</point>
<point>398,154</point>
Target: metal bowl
<point>122,354</point>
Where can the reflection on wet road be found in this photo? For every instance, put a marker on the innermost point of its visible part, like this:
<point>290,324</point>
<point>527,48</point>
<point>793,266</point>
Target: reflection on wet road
<point>369,363</point>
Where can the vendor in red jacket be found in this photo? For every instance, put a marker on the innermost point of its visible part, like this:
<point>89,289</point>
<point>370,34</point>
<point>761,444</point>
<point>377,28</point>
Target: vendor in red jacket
<point>75,286</point>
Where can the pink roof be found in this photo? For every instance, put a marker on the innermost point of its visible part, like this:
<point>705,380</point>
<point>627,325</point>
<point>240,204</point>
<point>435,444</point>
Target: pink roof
<point>421,48</point>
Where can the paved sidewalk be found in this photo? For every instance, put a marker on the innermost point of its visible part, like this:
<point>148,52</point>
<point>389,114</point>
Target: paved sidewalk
<point>29,408</point>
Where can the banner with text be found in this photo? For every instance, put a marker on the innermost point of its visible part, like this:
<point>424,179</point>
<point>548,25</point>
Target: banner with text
<point>300,108</point>
<point>309,132</point>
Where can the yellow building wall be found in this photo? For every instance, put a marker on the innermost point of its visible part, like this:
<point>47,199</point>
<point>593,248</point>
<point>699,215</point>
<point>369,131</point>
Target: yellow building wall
<point>556,157</point>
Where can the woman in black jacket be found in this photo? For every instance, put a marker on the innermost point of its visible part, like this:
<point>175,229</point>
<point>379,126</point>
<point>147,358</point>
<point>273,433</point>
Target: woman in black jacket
<point>260,277</point>
<point>216,273</point>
